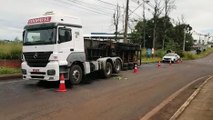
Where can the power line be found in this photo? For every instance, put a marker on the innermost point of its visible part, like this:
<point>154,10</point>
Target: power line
<point>108,3</point>
<point>135,9</point>
<point>71,3</point>
<point>91,8</point>
<point>83,2</point>
<point>111,4</point>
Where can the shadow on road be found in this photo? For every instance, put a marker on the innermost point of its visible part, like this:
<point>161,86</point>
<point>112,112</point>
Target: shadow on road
<point>88,79</point>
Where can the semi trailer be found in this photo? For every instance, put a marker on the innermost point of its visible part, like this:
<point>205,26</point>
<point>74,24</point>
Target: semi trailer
<point>53,44</point>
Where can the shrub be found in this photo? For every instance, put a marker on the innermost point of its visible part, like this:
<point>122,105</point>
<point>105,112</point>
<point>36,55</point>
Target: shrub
<point>143,53</point>
<point>180,53</point>
<point>189,56</point>
<point>5,70</point>
<point>160,53</point>
<point>10,50</point>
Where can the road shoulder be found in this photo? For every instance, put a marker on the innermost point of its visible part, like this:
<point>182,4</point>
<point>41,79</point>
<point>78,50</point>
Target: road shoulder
<point>169,106</point>
<point>201,107</point>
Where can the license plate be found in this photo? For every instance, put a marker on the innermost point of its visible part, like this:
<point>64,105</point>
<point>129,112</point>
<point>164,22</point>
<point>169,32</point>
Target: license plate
<point>35,70</point>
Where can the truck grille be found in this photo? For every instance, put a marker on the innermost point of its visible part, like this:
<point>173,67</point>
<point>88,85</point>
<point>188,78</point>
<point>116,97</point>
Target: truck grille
<point>37,59</point>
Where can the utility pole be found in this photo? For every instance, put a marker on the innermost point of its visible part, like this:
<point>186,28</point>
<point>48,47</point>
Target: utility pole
<point>184,39</point>
<point>144,23</point>
<point>165,21</point>
<point>186,30</point>
<point>126,21</point>
<point>116,17</point>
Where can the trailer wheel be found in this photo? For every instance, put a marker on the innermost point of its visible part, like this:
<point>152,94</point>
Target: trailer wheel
<point>117,67</point>
<point>107,72</point>
<point>75,74</point>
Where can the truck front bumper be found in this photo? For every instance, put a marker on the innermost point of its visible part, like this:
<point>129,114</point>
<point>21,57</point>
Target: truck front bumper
<point>48,73</point>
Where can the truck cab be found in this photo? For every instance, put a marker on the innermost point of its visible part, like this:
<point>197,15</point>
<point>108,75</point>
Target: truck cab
<point>48,41</point>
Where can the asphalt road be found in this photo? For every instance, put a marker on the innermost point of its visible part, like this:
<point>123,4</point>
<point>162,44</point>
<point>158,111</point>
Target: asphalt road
<point>126,97</point>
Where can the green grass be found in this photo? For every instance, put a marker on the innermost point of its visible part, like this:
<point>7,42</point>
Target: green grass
<point>5,70</point>
<point>10,50</point>
<point>158,56</point>
<point>186,55</point>
<point>190,56</point>
<point>151,60</point>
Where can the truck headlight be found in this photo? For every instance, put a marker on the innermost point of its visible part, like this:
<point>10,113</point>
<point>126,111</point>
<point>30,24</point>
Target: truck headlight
<point>51,72</point>
<point>53,57</point>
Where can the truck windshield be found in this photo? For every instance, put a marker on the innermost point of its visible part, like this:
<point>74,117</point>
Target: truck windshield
<point>39,36</point>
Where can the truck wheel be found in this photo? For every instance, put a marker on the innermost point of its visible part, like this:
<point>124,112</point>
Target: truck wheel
<point>117,67</point>
<point>107,72</point>
<point>75,74</point>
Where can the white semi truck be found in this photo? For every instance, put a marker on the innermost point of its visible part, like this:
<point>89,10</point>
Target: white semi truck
<point>54,44</point>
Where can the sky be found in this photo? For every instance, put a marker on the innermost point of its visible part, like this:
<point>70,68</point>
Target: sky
<point>96,15</point>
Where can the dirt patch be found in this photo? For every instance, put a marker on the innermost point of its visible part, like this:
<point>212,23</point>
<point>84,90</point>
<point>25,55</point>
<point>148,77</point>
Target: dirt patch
<point>166,112</point>
<point>10,63</point>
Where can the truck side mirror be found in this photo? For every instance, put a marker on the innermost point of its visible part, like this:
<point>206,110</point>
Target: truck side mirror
<point>23,35</point>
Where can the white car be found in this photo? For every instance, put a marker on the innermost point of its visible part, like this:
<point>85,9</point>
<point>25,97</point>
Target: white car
<point>173,57</point>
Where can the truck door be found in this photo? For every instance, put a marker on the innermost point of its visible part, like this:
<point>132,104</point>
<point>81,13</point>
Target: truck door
<point>65,41</point>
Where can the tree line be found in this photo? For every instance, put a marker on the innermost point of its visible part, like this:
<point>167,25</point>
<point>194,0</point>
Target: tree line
<point>170,37</point>
<point>160,31</point>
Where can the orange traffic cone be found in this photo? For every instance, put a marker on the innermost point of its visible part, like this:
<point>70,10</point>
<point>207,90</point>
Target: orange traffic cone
<point>159,64</point>
<point>178,61</point>
<point>170,62</point>
<point>62,87</point>
<point>135,69</point>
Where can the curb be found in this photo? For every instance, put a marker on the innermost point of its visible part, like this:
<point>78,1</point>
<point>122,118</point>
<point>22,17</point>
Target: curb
<point>189,100</point>
<point>167,100</point>
<point>7,77</point>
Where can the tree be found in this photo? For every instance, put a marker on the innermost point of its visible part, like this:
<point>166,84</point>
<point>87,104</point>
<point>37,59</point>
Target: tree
<point>16,39</point>
<point>189,41</point>
<point>137,34</point>
<point>179,35</point>
<point>157,12</point>
<point>174,35</point>
<point>116,18</point>
<point>168,7</point>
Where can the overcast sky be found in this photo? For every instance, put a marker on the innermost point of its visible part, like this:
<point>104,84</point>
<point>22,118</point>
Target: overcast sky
<point>96,15</point>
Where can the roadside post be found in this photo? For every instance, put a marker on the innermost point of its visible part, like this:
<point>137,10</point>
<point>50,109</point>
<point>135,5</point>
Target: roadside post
<point>153,52</point>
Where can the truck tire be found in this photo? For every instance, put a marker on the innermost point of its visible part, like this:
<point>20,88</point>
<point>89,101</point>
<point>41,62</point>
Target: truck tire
<point>117,66</point>
<point>107,72</point>
<point>75,74</point>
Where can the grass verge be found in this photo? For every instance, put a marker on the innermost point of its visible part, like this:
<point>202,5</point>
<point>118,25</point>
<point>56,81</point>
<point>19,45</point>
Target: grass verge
<point>151,59</point>
<point>190,56</point>
<point>5,70</point>
<point>10,50</point>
